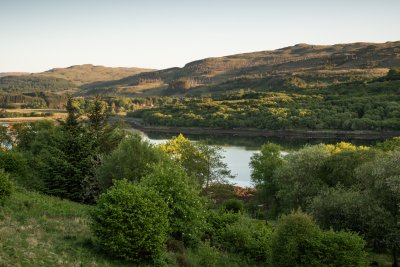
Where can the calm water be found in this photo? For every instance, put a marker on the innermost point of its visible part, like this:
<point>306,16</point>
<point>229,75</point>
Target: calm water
<point>238,150</point>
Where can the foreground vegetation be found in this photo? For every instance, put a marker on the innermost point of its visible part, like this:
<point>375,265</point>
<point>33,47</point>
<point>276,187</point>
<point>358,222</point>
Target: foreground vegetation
<point>104,197</point>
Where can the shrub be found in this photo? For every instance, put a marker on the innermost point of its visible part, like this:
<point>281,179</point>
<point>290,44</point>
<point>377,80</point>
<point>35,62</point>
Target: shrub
<point>187,211</point>
<point>218,220</point>
<point>343,249</point>
<point>233,205</point>
<point>248,237</point>
<point>6,187</point>
<point>298,241</point>
<point>131,222</point>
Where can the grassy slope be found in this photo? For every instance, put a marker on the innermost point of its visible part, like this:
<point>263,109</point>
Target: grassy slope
<point>37,230</point>
<point>87,73</point>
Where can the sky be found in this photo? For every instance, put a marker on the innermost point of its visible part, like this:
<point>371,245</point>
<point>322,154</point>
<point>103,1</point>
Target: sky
<point>38,35</point>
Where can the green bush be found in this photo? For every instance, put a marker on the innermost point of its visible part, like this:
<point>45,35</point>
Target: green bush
<point>187,211</point>
<point>219,220</point>
<point>298,241</point>
<point>233,205</point>
<point>6,187</point>
<point>131,222</point>
<point>342,249</point>
<point>247,237</point>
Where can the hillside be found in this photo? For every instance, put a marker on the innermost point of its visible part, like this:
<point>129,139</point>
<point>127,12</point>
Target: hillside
<point>302,65</point>
<point>38,230</point>
<point>87,73</point>
<point>33,83</point>
<point>2,74</point>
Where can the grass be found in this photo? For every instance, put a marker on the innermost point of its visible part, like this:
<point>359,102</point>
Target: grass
<point>38,230</point>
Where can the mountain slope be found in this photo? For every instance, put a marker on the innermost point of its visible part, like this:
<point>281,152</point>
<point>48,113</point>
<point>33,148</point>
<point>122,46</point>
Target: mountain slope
<point>87,73</point>
<point>316,65</point>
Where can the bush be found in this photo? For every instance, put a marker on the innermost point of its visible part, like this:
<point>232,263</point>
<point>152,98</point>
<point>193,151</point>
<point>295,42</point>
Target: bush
<point>217,221</point>
<point>298,241</point>
<point>187,211</point>
<point>15,164</point>
<point>6,187</point>
<point>131,222</point>
<point>250,238</point>
<point>343,249</point>
<point>233,205</point>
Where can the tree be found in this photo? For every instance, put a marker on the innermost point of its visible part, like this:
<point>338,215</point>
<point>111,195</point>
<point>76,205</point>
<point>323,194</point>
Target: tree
<point>345,208</point>
<point>381,179</point>
<point>202,163</point>
<point>263,166</point>
<point>131,160</point>
<point>72,108</point>
<point>299,180</point>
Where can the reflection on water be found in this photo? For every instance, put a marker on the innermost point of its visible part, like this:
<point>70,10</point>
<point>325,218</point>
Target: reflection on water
<point>238,150</point>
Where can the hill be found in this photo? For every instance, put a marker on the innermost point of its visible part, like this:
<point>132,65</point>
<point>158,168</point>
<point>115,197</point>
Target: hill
<point>87,73</point>
<point>2,74</point>
<point>301,65</point>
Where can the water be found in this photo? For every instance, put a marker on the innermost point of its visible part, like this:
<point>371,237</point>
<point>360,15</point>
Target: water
<point>239,150</point>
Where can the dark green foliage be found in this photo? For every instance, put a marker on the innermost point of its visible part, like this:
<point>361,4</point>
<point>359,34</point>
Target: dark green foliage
<point>298,241</point>
<point>33,83</point>
<point>380,179</point>
<point>299,180</point>
<point>341,208</point>
<point>340,167</point>
<point>393,74</point>
<point>131,222</point>
<point>14,163</point>
<point>62,159</point>
<point>63,166</point>
<point>233,205</point>
<point>6,187</point>
<point>187,211</point>
<point>131,160</point>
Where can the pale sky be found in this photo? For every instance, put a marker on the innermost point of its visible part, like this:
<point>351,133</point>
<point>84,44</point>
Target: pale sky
<point>38,35</point>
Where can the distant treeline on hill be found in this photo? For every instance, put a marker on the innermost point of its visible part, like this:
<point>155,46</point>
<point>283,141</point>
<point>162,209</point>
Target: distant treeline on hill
<point>354,106</point>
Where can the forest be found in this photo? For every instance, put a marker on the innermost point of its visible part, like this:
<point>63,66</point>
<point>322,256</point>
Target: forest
<point>362,105</point>
<point>98,195</point>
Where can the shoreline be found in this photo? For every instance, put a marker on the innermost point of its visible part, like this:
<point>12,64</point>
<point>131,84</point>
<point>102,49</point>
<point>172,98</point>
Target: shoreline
<point>307,134</point>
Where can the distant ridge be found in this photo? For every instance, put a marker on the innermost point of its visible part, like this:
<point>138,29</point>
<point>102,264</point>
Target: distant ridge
<point>88,73</point>
<point>315,64</point>
<point>3,74</point>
